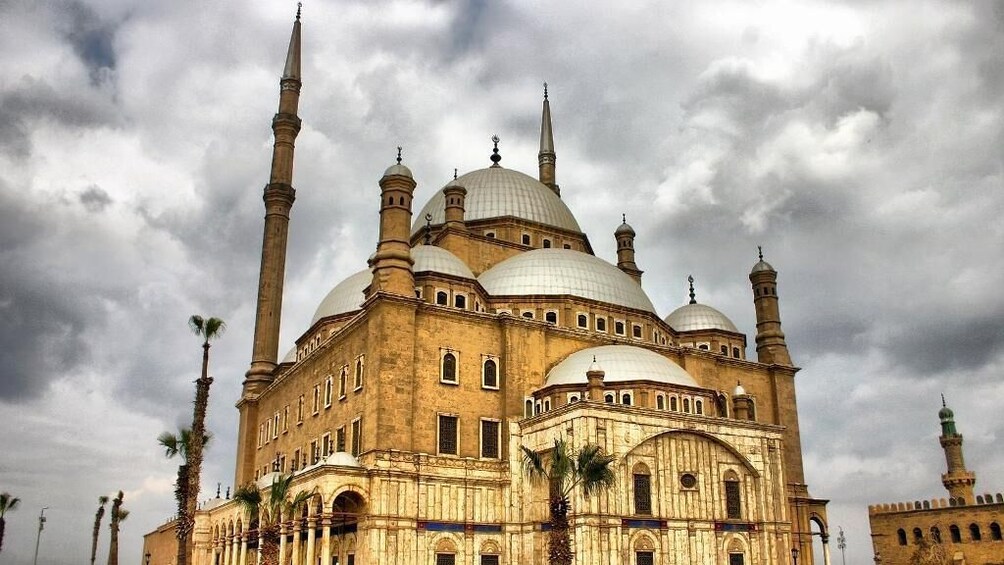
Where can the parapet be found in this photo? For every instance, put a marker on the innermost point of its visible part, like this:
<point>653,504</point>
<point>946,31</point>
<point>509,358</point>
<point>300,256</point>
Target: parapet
<point>932,504</point>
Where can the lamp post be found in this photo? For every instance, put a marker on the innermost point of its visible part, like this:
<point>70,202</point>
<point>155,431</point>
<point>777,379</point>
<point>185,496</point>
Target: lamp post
<point>842,545</point>
<point>41,525</point>
<point>794,556</point>
<point>147,558</point>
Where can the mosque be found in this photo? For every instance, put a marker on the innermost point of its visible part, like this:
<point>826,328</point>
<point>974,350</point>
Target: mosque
<point>484,323</point>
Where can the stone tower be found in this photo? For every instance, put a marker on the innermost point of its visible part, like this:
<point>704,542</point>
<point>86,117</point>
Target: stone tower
<point>958,481</point>
<point>392,261</point>
<point>770,345</point>
<point>624,235</point>
<point>278,196</point>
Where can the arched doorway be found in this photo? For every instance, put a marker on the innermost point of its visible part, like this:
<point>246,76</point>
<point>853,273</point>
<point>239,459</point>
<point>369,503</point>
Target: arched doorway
<point>347,511</point>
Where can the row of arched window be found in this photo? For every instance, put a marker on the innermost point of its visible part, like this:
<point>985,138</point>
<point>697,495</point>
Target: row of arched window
<point>955,534</point>
<point>449,371</point>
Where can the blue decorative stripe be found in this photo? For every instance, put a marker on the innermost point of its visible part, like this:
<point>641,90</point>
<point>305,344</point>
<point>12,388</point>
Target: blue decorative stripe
<point>734,527</point>
<point>488,528</point>
<point>443,527</point>
<point>650,524</point>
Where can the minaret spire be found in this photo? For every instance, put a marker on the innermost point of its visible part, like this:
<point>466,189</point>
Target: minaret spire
<point>279,196</point>
<point>546,156</point>
<point>693,296</point>
<point>958,480</point>
<point>770,345</point>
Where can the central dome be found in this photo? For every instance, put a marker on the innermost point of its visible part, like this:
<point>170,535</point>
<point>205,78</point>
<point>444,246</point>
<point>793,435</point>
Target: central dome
<point>496,192</point>
<point>558,272</point>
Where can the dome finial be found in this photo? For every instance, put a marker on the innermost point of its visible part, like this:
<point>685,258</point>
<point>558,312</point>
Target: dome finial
<point>943,405</point>
<point>545,91</point>
<point>693,297</point>
<point>299,6</point>
<point>454,173</point>
<point>398,154</point>
<point>428,229</point>
<point>623,218</point>
<point>495,152</point>
<point>759,249</point>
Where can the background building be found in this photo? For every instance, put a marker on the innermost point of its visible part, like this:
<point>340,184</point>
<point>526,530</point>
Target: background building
<point>483,324</point>
<point>965,527</point>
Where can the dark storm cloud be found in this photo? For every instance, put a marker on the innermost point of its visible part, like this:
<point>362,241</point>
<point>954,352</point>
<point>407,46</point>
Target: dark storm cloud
<point>29,101</point>
<point>95,199</point>
<point>91,38</point>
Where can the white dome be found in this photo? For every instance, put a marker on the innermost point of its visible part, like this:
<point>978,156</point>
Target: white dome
<point>739,390</point>
<point>345,297</point>
<point>695,317</point>
<point>496,192</point>
<point>341,458</point>
<point>439,260</point>
<point>620,363</point>
<point>564,271</point>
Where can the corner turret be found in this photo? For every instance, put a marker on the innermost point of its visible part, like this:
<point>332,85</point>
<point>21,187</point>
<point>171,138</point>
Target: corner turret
<point>392,262</point>
<point>770,345</point>
<point>624,235</point>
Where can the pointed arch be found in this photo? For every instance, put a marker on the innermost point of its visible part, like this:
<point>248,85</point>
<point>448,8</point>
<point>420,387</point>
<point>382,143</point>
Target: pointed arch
<point>710,438</point>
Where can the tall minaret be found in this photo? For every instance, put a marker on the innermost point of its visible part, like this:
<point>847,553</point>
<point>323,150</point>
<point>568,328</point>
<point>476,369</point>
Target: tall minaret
<point>624,235</point>
<point>546,157</point>
<point>770,345</point>
<point>278,196</point>
<point>958,481</point>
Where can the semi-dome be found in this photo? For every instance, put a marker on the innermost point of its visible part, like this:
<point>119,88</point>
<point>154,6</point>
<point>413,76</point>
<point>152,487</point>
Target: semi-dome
<point>696,317</point>
<point>439,260</point>
<point>496,192</point>
<point>620,363</point>
<point>564,272</point>
<point>347,296</point>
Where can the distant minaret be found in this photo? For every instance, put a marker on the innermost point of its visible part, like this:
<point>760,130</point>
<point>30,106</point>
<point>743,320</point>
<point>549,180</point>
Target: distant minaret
<point>546,157</point>
<point>278,196</point>
<point>958,481</point>
<point>770,345</point>
<point>392,262</point>
<point>624,235</point>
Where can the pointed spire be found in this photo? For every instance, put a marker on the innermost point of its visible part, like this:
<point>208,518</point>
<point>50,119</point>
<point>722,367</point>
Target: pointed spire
<point>693,297</point>
<point>943,405</point>
<point>546,157</point>
<point>292,69</point>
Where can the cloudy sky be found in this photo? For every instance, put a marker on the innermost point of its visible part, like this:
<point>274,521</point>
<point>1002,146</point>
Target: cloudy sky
<point>860,143</point>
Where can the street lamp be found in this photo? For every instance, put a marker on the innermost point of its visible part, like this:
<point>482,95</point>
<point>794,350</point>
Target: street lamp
<point>147,558</point>
<point>41,525</point>
<point>794,556</point>
<point>842,545</point>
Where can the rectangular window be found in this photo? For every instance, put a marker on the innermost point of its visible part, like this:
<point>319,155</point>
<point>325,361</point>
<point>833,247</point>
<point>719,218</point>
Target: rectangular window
<point>326,445</point>
<point>317,398</point>
<point>327,392</point>
<point>732,503</point>
<point>314,452</point>
<point>489,560</point>
<point>342,377</point>
<point>736,559</point>
<point>446,559</point>
<point>268,430</point>
<point>299,410</point>
<point>643,494</point>
<point>644,558</point>
<point>619,327</point>
<point>285,419</point>
<point>357,437</point>
<point>636,331</point>
<point>296,459</point>
<point>340,439</point>
<point>448,434</point>
<point>275,425</point>
<point>601,324</point>
<point>490,439</point>
<point>261,434</point>
<point>582,320</point>
<point>360,366</point>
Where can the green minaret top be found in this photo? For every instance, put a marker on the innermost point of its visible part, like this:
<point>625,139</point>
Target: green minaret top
<point>947,418</point>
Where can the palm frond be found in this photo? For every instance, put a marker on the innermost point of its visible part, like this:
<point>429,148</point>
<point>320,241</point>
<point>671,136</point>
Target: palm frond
<point>123,514</point>
<point>593,468</point>
<point>207,328</point>
<point>533,465</point>
<point>171,444</point>
<point>196,323</point>
<point>8,502</point>
<point>102,500</point>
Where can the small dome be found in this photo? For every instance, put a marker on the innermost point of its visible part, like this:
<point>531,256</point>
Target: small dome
<point>739,390</point>
<point>620,363</point>
<point>347,296</point>
<point>761,266</point>
<point>439,260</point>
<point>552,272</point>
<point>496,192</point>
<point>341,458</point>
<point>398,169</point>
<point>946,414</point>
<point>697,317</point>
<point>624,229</point>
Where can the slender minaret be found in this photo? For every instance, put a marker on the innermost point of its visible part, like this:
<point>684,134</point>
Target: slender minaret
<point>624,235</point>
<point>958,481</point>
<point>392,262</point>
<point>278,196</point>
<point>770,345</point>
<point>546,157</point>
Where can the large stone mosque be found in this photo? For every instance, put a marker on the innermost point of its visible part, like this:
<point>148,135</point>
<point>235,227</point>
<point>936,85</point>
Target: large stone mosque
<point>484,323</point>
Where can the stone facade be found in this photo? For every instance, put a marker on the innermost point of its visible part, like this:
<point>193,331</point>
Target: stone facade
<point>405,403</point>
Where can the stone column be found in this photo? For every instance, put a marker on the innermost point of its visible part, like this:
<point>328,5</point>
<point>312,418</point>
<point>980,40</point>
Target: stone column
<point>326,541</point>
<point>282,543</point>
<point>243,560</point>
<point>826,549</point>
<point>296,543</point>
<point>225,550</point>
<point>311,527</point>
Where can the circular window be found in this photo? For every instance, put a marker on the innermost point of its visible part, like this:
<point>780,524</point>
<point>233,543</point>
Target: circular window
<point>688,481</point>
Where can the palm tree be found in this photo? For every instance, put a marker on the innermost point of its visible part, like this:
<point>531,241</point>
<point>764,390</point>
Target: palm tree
<point>208,329</point>
<point>177,444</point>
<point>269,510</point>
<point>118,515</point>
<point>102,500</point>
<point>7,502</point>
<point>564,470</point>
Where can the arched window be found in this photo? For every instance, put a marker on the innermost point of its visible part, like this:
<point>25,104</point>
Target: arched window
<point>955,533</point>
<point>686,405</point>
<point>547,244</point>
<point>626,399</point>
<point>619,328</point>
<point>449,374</point>
<point>528,315</point>
<point>995,531</point>
<point>582,321</point>
<point>601,324</point>
<point>526,239</point>
<point>547,405</point>
<point>699,407</point>
<point>460,301</point>
<point>735,352</point>
<point>642,490</point>
<point>489,374</point>
<point>672,404</point>
<point>528,408</point>
<point>442,298</point>
<point>359,373</point>
<point>725,350</point>
<point>901,535</point>
<point>733,502</point>
<point>636,331</point>
<point>917,535</point>
<point>566,246</point>
<point>703,347</point>
<point>974,532</point>
<point>609,399</point>
<point>935,534</point>
<point>551,317</point>
<point>490,235</point>
<point>660,402</point>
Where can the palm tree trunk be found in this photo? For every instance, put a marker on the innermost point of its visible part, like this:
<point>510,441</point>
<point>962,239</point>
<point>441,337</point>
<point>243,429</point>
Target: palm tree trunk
<point>113,547</point>
<point>97,530</point>
<point>269,540</point>
<point>186,521</point>
<point>3,526</point>
<point>559,551</point>
<point>181,494</point>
